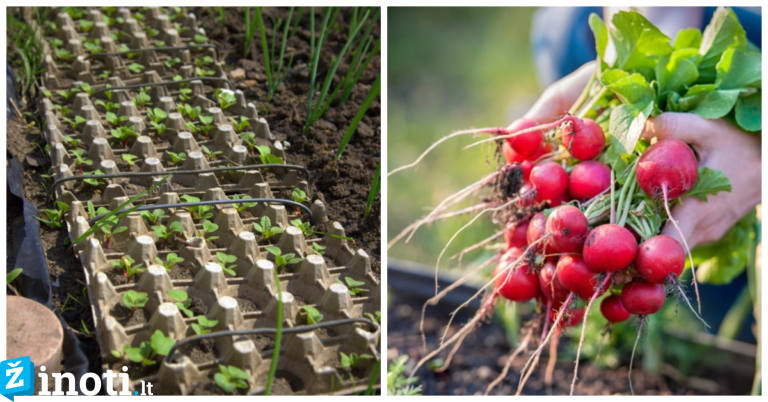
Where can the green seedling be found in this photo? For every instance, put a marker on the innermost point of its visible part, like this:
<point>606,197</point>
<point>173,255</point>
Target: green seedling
<point>85,87</point>
<point>203,61</point>
<point>226,99</point>
<point>192,127</point>
<point>152,32</point>
<point>64,307</point>
<point>12,275</point>
<point>353,359</point>
<point>63,54</point>
<point>242,125</point>
<point>305,227</point>
<point>182,301</point>
<point>191,112</point>
<point>313,315</point>
<point>56,42</point>
<point>204,325</point>
<point>201,72</point>
<point>273,65</point>
<point>54,217</point>
<point>109,106</point>
<point>130,159</point>
<point>281,260</point>
<point>72,142</point>
<point>317,248</point>
<point>80,160</point>
<point>108,94</point>
<point>206,125</point>
<point>180,28</point>
<point>374,318</point>
<point>126,264</point>
<point>109,232</point>
<point>170,260</point>
<point>147,352</point>
<point>142,99</point>
<point>163,233</point>
<point>241,206</point>
<point>134,300</point>
<point>200,39</point>
<point>94,182</point>
<point>299,196</point>
<point>160,43</point>
<point>353,285</point>
<point>74,123</point>
<point>169,62</point>
<point>135,68</point>
<point>157,115</point>
<point>105,74</point>
<point>185,94</point>
<point>114,120</point>
<point>266,229</point>
<point>208,228</point>
<point>160,127</point>
<point>177,159</point>
<point>124,135</point>
<point>84,328</point>
<point>250,140</point>
<point>230,378</point>
<point>200,211</point>
<point>85,25</point>
<point>266,155</point>
<point>63,109</point>
<point>225,259</point>
<point>154,216</point>
<point>211,155</point>
<point>93,47</point>
<point>90,210</point>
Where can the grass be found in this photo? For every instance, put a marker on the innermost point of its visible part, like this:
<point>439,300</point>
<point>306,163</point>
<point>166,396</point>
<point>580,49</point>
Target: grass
<point>316,109</point>
<point>372,94</point>
<point>22,41</point>
<point>361,57</point>
<point>250,28</point>
<point>375,189</point>
<point>276,76</point>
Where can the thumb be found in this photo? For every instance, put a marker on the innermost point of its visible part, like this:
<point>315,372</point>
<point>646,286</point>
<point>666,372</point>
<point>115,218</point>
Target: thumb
<point>686,127</point>
<point>560,96</point>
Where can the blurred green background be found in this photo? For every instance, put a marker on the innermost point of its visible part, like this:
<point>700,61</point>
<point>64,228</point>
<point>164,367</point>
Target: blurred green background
<point>449,69</point>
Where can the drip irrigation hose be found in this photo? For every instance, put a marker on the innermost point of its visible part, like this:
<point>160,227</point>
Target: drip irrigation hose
<point>154,84</point>
<point>147,49</point>
<point>213,202</point>
<point>145,174</point>
<point>258,331</point>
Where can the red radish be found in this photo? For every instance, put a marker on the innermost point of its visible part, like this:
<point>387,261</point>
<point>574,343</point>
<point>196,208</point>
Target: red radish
<point>574,275</point>
<point>667,166</point>
<point>537,227</point>
<point>516,236</point>
<point>585,139</point>
<point>572,318</point>
<point>550,181</point>
<point>545,149</point>
<point>609,248</point>
<point>518,284</point>
<point>510,155</point>
<point>568,228</point>
<point>527,166</point>
<point>525,144</point>
<point>613,310</point>
<point>658,257</point>
<point>527,195</point>
<point>588,179</point>
<point>643,298</point>
<point>634,233</point>
<point>551,287</point>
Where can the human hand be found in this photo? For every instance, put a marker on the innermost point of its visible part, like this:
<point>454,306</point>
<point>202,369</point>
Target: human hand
<point>721,146</point>
<point>558,98</point>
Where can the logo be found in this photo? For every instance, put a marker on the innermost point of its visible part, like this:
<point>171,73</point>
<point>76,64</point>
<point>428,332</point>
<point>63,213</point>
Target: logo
<point>20,380</point>
<point>18,377</point>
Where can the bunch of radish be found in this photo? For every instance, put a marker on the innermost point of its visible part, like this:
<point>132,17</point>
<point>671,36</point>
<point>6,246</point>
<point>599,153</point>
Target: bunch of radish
<point>581,200</point>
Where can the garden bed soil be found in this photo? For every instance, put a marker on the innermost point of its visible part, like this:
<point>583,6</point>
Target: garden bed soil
<point>485,351</point>
<point>342,186</point>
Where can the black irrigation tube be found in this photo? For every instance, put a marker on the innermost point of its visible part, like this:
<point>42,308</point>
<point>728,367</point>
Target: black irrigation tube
<point>154,84</point>
<point>173,172</point>
<point>258,331</point>
<point>147,49</point>
<point>213,202</point>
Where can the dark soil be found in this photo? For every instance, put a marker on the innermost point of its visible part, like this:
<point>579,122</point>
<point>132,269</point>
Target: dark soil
<point>485,351</point>
<point>343,186</point>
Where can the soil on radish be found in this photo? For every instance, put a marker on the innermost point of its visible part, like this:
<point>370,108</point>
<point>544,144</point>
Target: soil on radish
<point>342,186</point>
<point>486,349</point>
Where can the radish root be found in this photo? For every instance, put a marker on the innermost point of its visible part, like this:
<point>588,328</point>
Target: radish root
<point>592,299</point>
<point>523,345</point>
<point>684,297</point>
<point>632,359</point>
<point>665,192</point>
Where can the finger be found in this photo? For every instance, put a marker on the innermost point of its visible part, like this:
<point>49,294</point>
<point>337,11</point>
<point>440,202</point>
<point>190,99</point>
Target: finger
<point>686,216</point>
<point>560,96</point>
<point>686,127</point>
